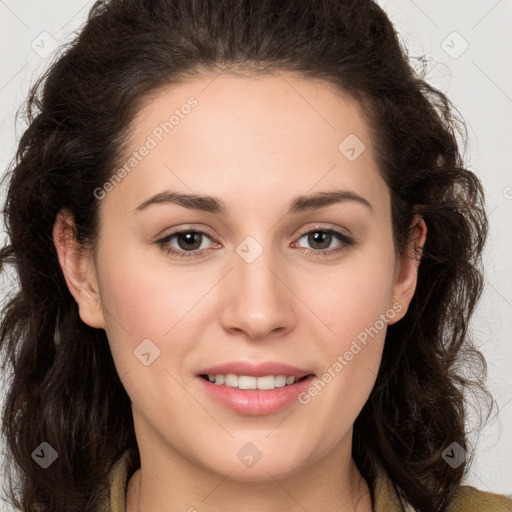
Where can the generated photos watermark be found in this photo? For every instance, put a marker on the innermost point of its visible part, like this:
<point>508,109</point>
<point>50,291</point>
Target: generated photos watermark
<point>343,360</point>
<point>152,141</point>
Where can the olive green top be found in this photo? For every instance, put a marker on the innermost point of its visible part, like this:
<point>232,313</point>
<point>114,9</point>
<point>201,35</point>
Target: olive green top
<point>385,495</point>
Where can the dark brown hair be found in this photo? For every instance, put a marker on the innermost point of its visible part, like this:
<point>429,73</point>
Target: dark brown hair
<point>64,387</point>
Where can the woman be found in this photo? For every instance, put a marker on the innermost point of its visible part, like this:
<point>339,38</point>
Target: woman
<point>174,344</point>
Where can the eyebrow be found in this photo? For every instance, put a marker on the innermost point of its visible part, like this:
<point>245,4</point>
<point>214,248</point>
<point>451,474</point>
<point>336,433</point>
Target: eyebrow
<point>217,206</point>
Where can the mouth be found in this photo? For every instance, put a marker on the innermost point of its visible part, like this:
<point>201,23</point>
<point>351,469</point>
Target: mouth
<point>253,389</point>
<point>250,382</point>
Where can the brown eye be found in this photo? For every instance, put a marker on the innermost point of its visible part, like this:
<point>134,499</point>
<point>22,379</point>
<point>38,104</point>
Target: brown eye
<point>321,239</point>
<point>188,242</point>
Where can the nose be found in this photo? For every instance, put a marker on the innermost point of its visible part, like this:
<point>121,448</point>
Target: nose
<point>257,299</point>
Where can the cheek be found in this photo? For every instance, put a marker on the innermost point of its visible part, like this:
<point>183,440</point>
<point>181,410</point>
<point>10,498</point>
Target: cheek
<point>145,313</point>
<point>145,299</point>
<point>351,357</point>
<point>142,301</point>
<point>352,298</point>
<point>355,303</point>
<point>133,303</point>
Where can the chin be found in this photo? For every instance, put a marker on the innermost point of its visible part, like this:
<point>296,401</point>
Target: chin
<point>241,467</point>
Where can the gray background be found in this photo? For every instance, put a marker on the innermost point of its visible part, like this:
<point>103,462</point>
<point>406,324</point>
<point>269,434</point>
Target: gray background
<point>468,44</point>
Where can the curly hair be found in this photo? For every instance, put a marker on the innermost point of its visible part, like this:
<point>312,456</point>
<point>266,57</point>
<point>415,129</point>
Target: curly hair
<point>64,388</point>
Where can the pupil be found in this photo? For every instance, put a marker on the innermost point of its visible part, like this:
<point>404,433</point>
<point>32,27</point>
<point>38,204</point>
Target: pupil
<point>189,237</point>
<point>319,235</point>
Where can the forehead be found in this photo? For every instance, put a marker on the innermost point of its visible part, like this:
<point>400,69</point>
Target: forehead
<point>261,135</point>
<point>263,105</point>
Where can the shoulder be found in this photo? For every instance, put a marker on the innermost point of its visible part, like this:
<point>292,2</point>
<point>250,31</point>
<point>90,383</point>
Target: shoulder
<point>470,499</point>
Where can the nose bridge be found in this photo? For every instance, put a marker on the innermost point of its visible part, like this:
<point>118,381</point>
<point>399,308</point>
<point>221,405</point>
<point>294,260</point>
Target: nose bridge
<point>255,273</point>
<point>258,301</point>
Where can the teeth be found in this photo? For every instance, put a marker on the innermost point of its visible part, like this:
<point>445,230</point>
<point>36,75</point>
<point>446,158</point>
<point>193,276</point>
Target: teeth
<point>248,382</point>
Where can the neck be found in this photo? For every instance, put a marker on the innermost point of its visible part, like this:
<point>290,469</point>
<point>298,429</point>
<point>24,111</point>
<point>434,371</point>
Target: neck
<point>321,487</point>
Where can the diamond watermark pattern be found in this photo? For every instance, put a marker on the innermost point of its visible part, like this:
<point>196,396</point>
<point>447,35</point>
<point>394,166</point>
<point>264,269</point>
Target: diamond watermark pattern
<point>44,44</point>
<point>352,147</point>
<point>45,455</point>
<point>249,249</point>
<point>454,45</point>
<point>249,454</point>
<point>146,352</point>
<point>454,455</point>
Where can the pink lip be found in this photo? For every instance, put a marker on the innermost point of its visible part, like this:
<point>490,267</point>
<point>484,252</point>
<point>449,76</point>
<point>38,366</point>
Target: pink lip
<point>255,370</point>
<point>255,402</point>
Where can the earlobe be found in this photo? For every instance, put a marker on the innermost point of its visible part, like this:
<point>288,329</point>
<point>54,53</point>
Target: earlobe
<point>79,271</point>
<point>406,275</point>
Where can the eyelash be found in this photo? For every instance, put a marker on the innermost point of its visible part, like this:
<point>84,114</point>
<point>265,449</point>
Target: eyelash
<point>346,243</point>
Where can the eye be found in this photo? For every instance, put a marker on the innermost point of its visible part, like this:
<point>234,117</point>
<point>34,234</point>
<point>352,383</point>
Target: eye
<point>324,237</point>
<point>189,242</point>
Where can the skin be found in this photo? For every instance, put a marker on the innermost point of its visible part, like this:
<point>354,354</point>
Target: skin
<point>255,142</point>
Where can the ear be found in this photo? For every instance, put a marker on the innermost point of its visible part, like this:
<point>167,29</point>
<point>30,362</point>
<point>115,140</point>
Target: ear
<point>406,271</point>
<point>79,270</point>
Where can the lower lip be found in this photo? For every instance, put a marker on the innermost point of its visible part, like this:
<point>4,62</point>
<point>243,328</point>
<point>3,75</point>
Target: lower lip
<point>255,402</point>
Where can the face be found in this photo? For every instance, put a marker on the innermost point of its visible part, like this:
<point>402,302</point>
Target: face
<point>271,284</point>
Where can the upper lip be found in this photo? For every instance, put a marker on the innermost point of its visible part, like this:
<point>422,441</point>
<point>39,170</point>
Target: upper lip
<point>255,369</point>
